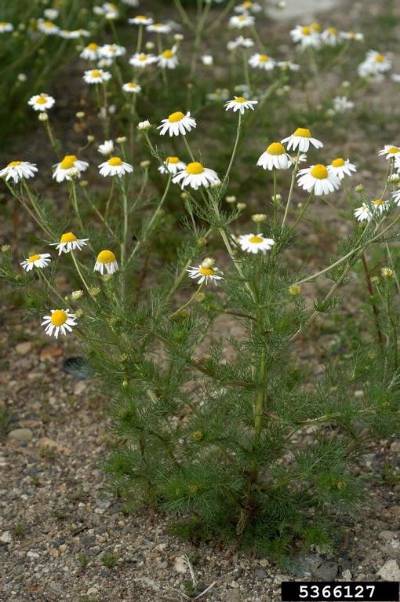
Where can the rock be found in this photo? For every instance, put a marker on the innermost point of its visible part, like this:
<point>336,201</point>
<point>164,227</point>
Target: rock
<point>233,596</point>
<point>260,573</point>
<point>387,535</point>
<point>180,565</point>
<point>22,435</point>
<point>390,571</point>
<point>79,388</point>
<point>23,348</point>
<point>49,444</point>
<point>50,352</point>
<point>6,537</point>
<point>395,446</point>
<point>327,571</point>
<point>346,575</point>
<point>92,591</point>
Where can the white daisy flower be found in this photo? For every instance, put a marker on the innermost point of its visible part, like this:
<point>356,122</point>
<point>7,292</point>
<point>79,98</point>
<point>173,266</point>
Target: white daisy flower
<point>331,37</point>
<point>196,175</point>
<point>206,272</point>
<point>96,76</point>
<point>207,60</point>
<point>106,262</point>
<point>318,180</point>
<point>240,42</point>
<point>241,104</point>
<point>111,51</point>
<point>172,165</point>
<point>47,27</point>
<point>51,13</point>
<point>115,167</point>
<point>363,213</point>
<point>70,167</point>
<point>341,168</point>
<point>59,321</point>
<point>262,61</point>
<point>91,52</point>
<point>275,157</point>
<point>248,7</point>
<point>18,170</point>
<point>341,104</point>
<point>6,27</point>
<point>142,60</point>
<point>159,28</point>
<point>168,59</point>
<point>390,152</point>
<point>108,10</point>
<point>74,34</point>
<point>288,66</point>
<point>69,242</point>
<point>106,148</point>
<point>375,65</point>
<point>241,21</point>
<point>306,36</point>
<point>396,197</point>
<point>379,206</point>
<point>177,124</point>
<point>41,102</point>
<point>41,260</point>
<point>140,20</point>
<point>132,88</point>
<point>352,36</point>
<point>132,3</point>
<point>255,243</point>
<point>301,139</point>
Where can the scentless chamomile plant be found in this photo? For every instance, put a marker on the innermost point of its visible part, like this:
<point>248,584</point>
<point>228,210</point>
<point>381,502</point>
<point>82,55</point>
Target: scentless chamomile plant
<point>218,420</point>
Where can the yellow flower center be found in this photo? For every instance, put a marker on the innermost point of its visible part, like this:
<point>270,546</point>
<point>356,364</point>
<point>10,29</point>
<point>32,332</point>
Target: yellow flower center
<point>379,58</point>
<point>315,26</point>
<point>106,256</point>
<point>339,162</point>
<point>142,57</point>
<point>68,237</point>
<point>14,164</point>
<point>68,162</point>
<point>177,116</point>
<point>195,168</point>
<point>247,4</point>
<point>276,148</point>
<point>303,133</point>
<point>41,100</point>
<point>173,160</point>
<point>394,150</point>
<point>33,258</point>
<point>95,73</point>
<point>115,161</point>
<point>141,18</point>
<point>319,171</point>
<point>168,54</point>
<point>332,30</point>
<point>255,239</point>
<point>306,31</point>
<point>48,24</point>
<point>204,271</point>
<point>263,58</point>
<point>92,46</point>
<point>239,99</point>
<point>59,317</point>
<point>378,202</point>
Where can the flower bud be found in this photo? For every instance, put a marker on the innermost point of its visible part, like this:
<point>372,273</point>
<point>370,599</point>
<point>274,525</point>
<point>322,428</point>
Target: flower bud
<point>359,188</point>
<point>43,116</point>
<point>230,199</point>
<point>121,139</point>
<point>149,45</point>
<point>144,125</point>
<point>208,262</point>
<point>387,272</point>
<point>145,164</point>
<point>294,290</point>
<point>90,138</point>
<point>83,183</point>
<point>241,206</point>
<point>75,295</point>
<point>258,218</point>
<point>80,114</point>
